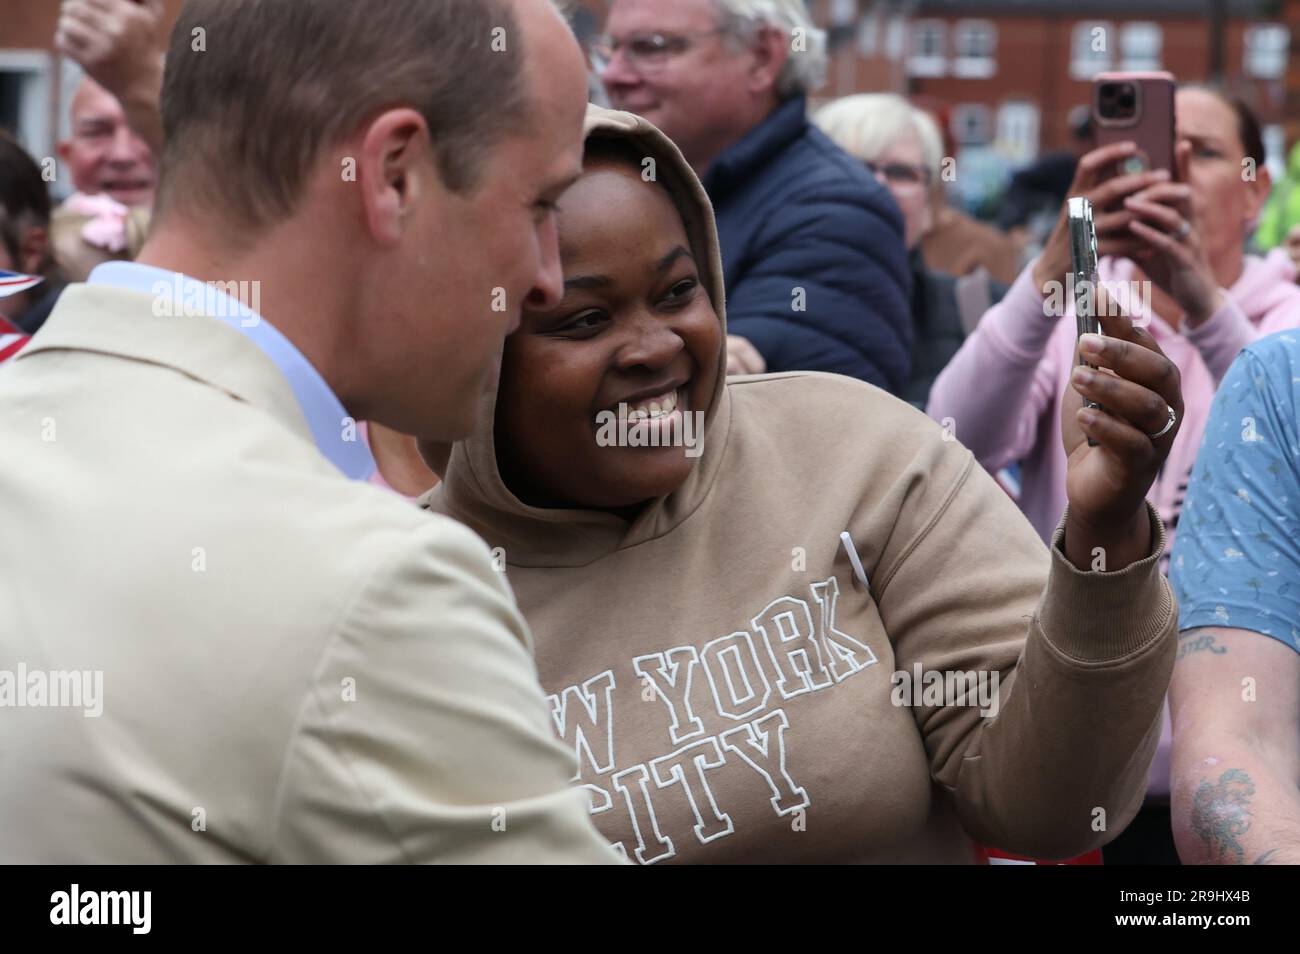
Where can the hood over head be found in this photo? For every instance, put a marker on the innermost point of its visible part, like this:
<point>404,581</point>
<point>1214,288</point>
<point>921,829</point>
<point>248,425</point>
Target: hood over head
<point>472,489</point>
<point>1265,283</point>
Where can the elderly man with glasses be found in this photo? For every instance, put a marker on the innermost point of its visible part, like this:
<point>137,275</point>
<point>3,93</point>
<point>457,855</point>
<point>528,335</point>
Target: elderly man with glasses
<point>815,263</point>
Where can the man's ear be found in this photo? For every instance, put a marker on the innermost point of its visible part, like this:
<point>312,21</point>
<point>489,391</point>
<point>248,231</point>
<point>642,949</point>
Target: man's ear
<point>770,49</point>
<point>394,169</point>
<point>33,249</point>
<point>64,149</point>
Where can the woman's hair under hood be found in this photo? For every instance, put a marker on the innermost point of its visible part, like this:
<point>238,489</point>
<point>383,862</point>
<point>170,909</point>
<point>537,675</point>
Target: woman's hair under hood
<point>617,149</point>
<point>629,139</point>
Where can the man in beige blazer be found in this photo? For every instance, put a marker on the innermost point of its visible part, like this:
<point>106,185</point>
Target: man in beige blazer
<point>217,643</point>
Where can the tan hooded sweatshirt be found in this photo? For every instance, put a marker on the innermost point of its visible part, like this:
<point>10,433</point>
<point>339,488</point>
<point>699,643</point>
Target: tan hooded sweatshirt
<point>727,678</point>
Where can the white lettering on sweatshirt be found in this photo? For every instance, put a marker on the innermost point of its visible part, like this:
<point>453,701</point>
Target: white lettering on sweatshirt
<point>671,683</point>
<point>580,715</point>
<point>787,628</point>
<point>736,679</point>
<point>788,652</point>
<point>753,743</point>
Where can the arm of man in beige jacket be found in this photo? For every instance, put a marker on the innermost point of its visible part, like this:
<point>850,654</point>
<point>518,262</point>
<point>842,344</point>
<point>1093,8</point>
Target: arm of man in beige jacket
<point>424,736</point>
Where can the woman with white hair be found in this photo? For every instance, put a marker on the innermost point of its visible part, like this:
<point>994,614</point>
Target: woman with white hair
<point>902,147</point>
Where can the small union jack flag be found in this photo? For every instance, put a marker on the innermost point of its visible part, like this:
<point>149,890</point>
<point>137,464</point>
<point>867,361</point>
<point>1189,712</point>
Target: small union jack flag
<point>11,339</point>
<point>10,345</point>
<point>15,283</point>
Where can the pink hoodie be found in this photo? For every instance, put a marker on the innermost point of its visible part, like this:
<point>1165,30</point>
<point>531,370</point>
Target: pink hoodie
<point>1003,389</point>
<point>1002,392</point>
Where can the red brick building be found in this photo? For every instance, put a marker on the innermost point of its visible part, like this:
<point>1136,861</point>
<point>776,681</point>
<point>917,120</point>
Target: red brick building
<point>1006,72</point>
<point>1012,70</point>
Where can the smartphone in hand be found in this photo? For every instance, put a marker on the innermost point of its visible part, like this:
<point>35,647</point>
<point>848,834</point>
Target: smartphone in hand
<point>1136,106</point>
<point>1083,272</point>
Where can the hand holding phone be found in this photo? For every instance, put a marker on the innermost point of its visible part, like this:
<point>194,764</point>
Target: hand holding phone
<point>1136,107</point>
<point>1118,424</point>
<point>1093,181</point>
<point>1116,441</point>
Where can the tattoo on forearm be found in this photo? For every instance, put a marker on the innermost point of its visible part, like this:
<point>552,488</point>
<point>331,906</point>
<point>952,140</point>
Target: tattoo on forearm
<point>1266,857</point>
<point>1221,815</point>
<point>1194,642</point>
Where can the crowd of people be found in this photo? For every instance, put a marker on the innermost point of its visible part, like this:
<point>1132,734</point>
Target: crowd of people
<point>403,458</point>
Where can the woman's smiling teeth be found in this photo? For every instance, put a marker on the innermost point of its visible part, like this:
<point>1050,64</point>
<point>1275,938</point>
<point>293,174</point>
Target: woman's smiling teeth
<point>652,408</point>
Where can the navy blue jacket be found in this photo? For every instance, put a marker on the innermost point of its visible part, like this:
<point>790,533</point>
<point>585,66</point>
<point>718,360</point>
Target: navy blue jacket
<point>797,212</point>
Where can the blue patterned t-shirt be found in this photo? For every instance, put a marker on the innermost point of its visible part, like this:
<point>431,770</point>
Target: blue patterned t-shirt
<point>1236,561</point>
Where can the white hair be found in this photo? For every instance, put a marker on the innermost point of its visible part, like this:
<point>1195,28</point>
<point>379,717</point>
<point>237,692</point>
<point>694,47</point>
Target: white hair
<point>864,125</point>
<point>805,67</point>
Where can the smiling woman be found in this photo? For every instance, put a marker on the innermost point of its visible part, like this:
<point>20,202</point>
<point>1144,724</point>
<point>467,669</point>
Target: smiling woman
<point>635,334</point>
<point>717,632</point>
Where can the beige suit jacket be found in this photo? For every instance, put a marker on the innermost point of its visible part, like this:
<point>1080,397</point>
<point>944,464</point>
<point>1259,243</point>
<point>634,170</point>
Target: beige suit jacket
<point>293,667</point>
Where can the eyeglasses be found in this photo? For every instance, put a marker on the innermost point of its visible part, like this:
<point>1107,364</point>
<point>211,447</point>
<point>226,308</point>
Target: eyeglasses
<point>900,173</point>
<point>645,51</point>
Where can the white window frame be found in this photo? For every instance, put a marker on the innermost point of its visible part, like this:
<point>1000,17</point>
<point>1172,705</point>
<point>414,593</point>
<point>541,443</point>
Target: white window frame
<point>869,33</point>
<point>37,69</point>
<point>1148,59</point>
<point>977,64</point>
<point>1266,60</point>
<point>1022,147</point>
<point>928,65</point>
<point>896,37</point>
<point>1084,63</point>
<point>958,123</point>
<point>843,13</point>
<point>1274,136</point>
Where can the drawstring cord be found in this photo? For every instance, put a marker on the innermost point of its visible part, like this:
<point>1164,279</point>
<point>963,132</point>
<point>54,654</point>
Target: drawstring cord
<point>851,550</point>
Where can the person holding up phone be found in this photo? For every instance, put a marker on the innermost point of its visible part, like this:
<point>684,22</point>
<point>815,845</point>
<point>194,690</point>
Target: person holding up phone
<point>726,637</point>
<point>1173,241</point>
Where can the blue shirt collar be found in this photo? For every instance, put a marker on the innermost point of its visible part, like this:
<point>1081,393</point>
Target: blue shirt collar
<point>326,417</point>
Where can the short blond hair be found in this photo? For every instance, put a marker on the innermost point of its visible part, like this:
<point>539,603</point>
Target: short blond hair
<point>865,124</point>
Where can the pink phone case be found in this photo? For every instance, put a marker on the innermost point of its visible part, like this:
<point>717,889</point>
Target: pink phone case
<point>1152,125</point>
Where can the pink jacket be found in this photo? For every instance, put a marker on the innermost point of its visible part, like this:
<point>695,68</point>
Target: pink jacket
<point>1003,389</point>
<point>1002,392</point>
